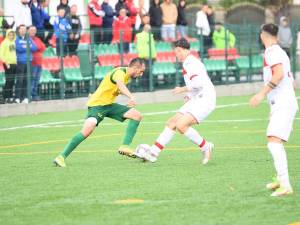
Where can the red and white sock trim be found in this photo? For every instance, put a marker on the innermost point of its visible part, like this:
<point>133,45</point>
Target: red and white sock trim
<point>202,143</point>
<point>159,146</point>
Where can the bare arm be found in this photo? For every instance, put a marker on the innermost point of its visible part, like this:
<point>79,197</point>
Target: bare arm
<point>276,78</point>
<point>124,90</point>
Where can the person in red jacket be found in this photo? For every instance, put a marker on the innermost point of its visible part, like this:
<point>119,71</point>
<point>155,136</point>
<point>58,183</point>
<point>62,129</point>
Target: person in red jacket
<point>133,11</point>
<point>95,15</point>
<point>37,58</point>
<point>122,25</point>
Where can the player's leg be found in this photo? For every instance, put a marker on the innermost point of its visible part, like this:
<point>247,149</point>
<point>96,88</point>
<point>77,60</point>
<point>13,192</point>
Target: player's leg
<point>121,113</point>
<point>163,139</point>
<point>184,126</point>
<point>279,129</point>
<point>88,127</point>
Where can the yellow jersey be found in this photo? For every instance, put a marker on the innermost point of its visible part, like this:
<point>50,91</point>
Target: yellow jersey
<point>108,90</point>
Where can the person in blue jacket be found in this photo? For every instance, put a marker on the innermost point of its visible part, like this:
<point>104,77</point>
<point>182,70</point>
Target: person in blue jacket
<point>62,28</point>
<point>108,20</point>
<point>39,16</point>
<point>22,43</point>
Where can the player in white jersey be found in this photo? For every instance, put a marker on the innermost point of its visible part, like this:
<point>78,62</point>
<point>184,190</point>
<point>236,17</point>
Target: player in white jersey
<point>279,89</point>
<point>200,101</point>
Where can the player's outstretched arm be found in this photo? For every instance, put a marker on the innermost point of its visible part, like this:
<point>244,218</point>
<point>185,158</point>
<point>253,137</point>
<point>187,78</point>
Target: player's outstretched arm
<point>124,90</point>
<point>278,73</point>
<point>179,90</point>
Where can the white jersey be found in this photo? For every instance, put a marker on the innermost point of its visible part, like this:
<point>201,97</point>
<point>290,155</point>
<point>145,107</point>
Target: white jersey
<point>282,96</point>
<point>197,80</point>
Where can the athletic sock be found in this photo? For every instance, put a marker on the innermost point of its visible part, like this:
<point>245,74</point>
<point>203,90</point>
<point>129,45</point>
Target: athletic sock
<point>195,137</point>
<point>74,142</point>
<point>130,131</point>
<point>280,162</point>
<point>164,138</point>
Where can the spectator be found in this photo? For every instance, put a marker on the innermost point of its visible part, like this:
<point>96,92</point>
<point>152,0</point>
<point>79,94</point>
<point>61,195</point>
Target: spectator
<point>203,27</point>
<point>108,20</point>
<point>21,49</point>
<point>121,5</point>
<point>95,16</point>
<point>38,16</point>
<point>211,21</point>
<point>285,37</point>
<point>122,24</point>
<point>23,14</point>
<point>181,19</point>
<point>133,11</point>
<point>75,34</point>
<point>144,41</point>
<point>4,25</point>
<point>65,5</point>
<point>222,36</point>
<point>48,26</point>
<point>37,58</point>
<point>61,29</point>
<point>169,18</point>
<point>155,14</point>
<point>9,58</point>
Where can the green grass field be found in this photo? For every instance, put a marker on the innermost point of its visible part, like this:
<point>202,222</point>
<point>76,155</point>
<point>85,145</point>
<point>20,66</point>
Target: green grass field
<point>98,184</point>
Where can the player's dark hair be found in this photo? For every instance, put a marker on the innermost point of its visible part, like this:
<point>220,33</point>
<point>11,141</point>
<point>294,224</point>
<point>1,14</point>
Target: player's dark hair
<point>182,43</point>
<point>270,28</point>
<point>137,62</point>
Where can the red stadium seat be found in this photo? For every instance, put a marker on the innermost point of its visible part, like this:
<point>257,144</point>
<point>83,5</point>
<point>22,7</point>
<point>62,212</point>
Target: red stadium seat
<point>85,38</point>
<point>51,64</point>
<point>71,62</point>
<point>232,54</point>
<point>109,60</point>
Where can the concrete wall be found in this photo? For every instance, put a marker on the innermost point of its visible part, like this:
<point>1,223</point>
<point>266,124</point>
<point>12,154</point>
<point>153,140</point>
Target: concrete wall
<point>142,98</point>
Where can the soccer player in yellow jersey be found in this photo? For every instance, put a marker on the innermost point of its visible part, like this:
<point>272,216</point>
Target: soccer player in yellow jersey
<point>101,104</point>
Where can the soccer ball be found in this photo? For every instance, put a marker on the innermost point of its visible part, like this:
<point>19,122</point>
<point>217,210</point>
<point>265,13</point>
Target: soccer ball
<point>141,150</point>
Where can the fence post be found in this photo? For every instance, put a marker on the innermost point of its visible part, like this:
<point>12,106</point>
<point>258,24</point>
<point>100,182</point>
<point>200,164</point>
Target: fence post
<point>151,88</point>
<point>294,51</point>
<point>249,72</point>
<point>92,56</point>
<point>61,72</point>
<point>226,52</point>
<point>121,48</point>
<point>28,65</point>
<point>201,44</point>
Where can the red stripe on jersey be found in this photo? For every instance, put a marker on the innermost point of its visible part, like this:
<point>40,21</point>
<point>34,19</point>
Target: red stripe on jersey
<point>193,76</point>
<point>159,146</point>
<point>265,63</point>
<point>184,72</point>
<point>202,143</point>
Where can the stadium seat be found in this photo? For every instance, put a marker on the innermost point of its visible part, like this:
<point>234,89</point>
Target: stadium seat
<point>166,57</point>
<point>232,53</point>
<point>46,77</point>
<point>71,62</point>
<point>101,71</point>
<point>49,52</point>
<point>195,45</point>
<point>214,65</point>
<point>106,49</point>
<point>244,62</point>
<point>128,57</point>
<point>163,68</point>
<point>51,64</point>
<point>85,38</point>
<point>109,60</point>
<point>2,79</point>
<point>74,75</point>
<point>163,46</point>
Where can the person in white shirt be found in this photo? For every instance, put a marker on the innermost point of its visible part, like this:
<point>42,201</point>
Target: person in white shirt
<point>203,26</point>
<point>23,14</point>
<point>279,89</point>
<point>200,101</point>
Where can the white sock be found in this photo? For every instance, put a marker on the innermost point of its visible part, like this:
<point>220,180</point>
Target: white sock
<point>280,162</point>
<point>195,137</point>
<point>164,138</point>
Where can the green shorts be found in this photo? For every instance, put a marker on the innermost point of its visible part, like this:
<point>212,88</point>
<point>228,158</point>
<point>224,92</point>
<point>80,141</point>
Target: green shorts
<point>114,111</point>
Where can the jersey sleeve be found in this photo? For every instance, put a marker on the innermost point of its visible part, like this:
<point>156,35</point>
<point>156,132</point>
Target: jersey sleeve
<point>272,57</point>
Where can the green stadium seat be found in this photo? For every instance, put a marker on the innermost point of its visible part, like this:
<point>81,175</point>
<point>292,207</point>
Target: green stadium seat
<point>101,71</point>
<point>2,79</point>
<point>74,75</point>
<point>49,52</point>
<point>213,65</point>
<point>163,46</point>
<point>46,78</point>
<point>243,63</point>
<point>195,46</point>
<point>163,68</point>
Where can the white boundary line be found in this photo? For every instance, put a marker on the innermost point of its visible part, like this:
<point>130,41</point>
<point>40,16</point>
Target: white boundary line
<point>75,123</point>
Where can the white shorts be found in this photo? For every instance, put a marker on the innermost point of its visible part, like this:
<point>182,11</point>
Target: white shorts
<point>199,108</point>
<point>281,123</point>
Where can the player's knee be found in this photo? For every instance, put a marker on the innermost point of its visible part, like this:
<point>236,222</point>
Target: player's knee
<point>171,124</point>
<point>136,115</point>
<point>181,127</point>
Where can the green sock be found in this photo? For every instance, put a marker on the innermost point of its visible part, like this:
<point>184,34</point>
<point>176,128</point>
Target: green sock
<point>130,131</point>
<point>75,141</point>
